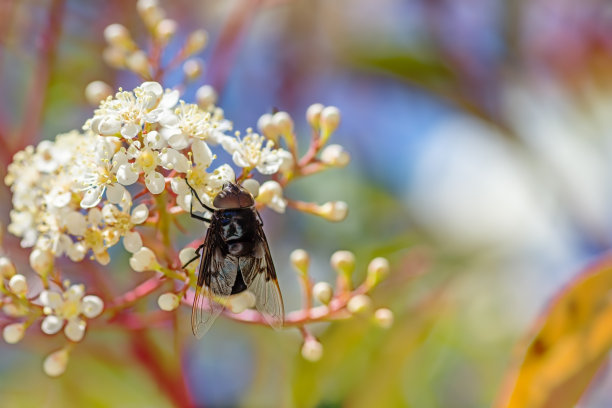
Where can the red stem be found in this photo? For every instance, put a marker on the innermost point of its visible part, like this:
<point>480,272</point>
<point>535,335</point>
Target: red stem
<point>171,382</point>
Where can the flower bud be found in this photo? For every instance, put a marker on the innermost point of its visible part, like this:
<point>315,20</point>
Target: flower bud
<point>206,96</point>
<point>252,186</point>
<point>186,255</point>
<point>143,260</point>
<point>333,211</point>
<point>330,119</point>
<point>283,123</point>
<point>300,261</point>
<point>97,91</point>
<point>138,63</point>
<point>114,57</point>
<point>18,285</point>
<point>242,301</point>
<point>267,127</point>
<point>196,42</point>
<point>378,269</point>
<point>312,350</point>
<point>343,262</point>
<point>7,269</point>
<point>323,292</point>
<point>335,155</point>
<point>41,261</point>
<point>13,333</point>
<point>168,301</point>
<point>165,29</point>
<point>359,304</point>
<point>150,12</point>
<point>193,68</point>
<point>51,324</point>
<point>56,362</point>
<point>313,115</point>
<point>383,318</point>
<point>118,36</point>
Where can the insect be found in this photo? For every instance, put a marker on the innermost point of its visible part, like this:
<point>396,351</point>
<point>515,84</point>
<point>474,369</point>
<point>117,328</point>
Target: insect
<point>234,258</point>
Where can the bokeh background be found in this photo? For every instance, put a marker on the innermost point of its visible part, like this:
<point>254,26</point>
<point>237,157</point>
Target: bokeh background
<point>481,139</point>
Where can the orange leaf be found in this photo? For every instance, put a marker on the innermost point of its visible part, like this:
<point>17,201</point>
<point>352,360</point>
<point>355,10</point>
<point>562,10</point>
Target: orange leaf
<point>568,344</point>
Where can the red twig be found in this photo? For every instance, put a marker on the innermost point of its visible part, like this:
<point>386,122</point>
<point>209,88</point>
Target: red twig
<point>171,382</point>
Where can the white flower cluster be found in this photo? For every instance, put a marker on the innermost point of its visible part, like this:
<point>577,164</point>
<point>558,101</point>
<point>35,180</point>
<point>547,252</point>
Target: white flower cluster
<point>70,195</point>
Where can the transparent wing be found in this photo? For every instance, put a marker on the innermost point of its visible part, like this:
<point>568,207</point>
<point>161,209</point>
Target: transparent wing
<point>215,279</point>
<point>260,277</point>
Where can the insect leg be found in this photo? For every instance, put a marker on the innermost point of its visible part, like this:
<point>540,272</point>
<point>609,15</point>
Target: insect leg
<point>195,194</point>
<point>198,254</point>
<point>196,216</point>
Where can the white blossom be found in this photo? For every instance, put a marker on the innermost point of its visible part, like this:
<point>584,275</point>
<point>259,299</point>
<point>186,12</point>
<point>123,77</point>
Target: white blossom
<point>254,152</point>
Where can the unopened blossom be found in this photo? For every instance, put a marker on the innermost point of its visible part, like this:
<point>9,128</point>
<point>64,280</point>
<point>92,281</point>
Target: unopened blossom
<point>18,284</point>
<point>13,333</point>
<point>343,262</point>
<point>383,318</point>
<point>168,301</point>
<point>300,260</point>
<point>333,211</point>
<point>97,91</point>
<point>143,259</point>
<point>7,268</point>
<point>335,155</point>
<point>271,194</point>
<point>312,350</point>
<point>69,310</point>
<point>359,304</point>
<point>206,96</point>
<point>254,151</point>
<point>313,114</point>
<point>252,186</point>
<point>55,363</point>
<point>323,292</point>
<point>196,42</point>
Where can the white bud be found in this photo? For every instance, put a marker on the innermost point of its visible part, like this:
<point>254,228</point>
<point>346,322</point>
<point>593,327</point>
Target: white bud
<point>383,318</point>
<point>7,269</point>
<point>313,114</point>
<point>267,127</point>
<point>18,284</point>
<point>193,68</point>
<point>206,96</point>
<point>343,262</point>
<point>118,36</point>
<point>56,362</point>
<point>196,42</point>
<point>359,304</point>
<point>378,269</point>
<point>138,62</point>
<point>323,292</point>
<point>150,12</point>
<point>283,122</point>
<point>168,301</point>
<point>330,119</point>
<point>51,324</point>
<point>335,155</point>
<point>75,329</point>
<point>242,301</point>
<point>252,186</point>
<point>186,255</point>
<point>312,350</point>
<point>165,29</point>
<point>92,306</point>
<point>97,91</point>
<point>114,57</point>
<point>334,211</point>
<point>41,261</point>
<point>143,260</point>
<point>300,260</point>
<point>13,333</point>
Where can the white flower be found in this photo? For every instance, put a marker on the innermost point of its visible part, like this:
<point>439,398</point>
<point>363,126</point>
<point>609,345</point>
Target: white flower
<point>189,122</point>
<point>254,151</point>
<point>146,161</point>
<point>69,310</point>
<point>121,222</point>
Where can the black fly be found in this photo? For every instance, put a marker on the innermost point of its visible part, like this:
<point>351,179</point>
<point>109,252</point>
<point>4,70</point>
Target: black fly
<point>234,257</point>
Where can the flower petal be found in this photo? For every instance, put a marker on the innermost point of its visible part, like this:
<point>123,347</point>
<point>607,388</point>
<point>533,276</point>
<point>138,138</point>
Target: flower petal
<point>92,197</point>
<point>155,182</point>
<point>114,192</point>
<point>130,130</point>
<point>201,153</point>
<point>132,241</point>
<point>52,324</point>
<point>126,175</point>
